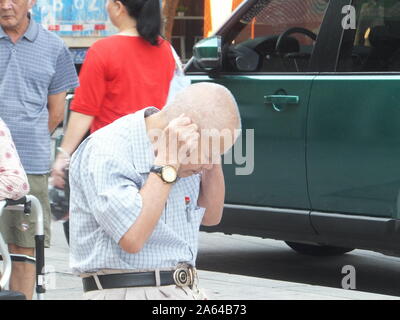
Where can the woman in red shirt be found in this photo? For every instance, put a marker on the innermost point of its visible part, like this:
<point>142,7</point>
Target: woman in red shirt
<point>121,75</point>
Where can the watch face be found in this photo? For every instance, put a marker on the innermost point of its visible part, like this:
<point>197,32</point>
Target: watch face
<point>169,174</point>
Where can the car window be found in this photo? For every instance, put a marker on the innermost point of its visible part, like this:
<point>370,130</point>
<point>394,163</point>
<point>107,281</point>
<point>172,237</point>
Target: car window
<point>374,45</point>
<point>278,36</point>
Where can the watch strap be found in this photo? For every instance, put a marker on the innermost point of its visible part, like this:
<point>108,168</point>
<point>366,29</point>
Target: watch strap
<point>158,170</point>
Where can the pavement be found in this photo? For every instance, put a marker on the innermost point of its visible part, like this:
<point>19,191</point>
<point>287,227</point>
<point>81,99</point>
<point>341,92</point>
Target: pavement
<point>217,285</point>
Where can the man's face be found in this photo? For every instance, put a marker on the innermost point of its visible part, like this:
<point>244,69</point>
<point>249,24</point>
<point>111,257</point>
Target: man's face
<point>14,12</point>
<point>211,147</point>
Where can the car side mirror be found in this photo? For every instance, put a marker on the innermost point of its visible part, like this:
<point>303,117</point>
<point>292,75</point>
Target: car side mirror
<point>208,53</point>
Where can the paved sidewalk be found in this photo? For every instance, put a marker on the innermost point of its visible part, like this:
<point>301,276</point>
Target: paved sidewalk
<point>218,286</point>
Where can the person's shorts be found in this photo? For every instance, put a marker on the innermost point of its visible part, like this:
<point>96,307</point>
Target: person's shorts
<point>19,229</point>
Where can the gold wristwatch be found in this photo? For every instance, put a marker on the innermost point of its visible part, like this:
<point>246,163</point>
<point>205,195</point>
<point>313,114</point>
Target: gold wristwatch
<point>167,174</point>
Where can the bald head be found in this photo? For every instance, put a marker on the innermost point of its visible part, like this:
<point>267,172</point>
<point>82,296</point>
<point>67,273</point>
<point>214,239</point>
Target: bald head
<point>204,118</point>
<point>209,105</point>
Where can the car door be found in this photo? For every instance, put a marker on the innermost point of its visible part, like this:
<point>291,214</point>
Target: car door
<point>273,96</point>
<point>353,138</point>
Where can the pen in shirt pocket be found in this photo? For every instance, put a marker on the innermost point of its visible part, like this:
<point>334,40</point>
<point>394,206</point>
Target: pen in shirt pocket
<point>187,204</point>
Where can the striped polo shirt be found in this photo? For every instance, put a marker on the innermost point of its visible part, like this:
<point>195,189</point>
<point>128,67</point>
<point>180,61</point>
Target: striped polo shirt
<point>37,66</point>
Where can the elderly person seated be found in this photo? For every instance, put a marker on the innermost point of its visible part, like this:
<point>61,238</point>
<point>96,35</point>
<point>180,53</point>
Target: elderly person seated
<point>141,187</point>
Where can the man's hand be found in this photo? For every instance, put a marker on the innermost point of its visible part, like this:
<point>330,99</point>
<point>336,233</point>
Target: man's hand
<point>177,141</point>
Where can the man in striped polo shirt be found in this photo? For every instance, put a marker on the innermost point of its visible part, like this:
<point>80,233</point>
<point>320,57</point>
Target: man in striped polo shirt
<point>36,70</point>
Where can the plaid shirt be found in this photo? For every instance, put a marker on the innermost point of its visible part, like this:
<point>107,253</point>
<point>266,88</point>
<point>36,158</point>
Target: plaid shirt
<point>106,174</point>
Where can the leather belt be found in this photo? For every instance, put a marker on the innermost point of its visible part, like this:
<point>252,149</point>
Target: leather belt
<point>185,276</point>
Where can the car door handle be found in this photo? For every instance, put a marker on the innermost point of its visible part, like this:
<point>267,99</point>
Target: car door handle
<point>279,101</point>
<point>282,99</point>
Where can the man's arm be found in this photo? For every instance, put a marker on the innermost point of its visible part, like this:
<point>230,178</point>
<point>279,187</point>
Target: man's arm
<point>212,195</point>
<point>155,192</point>
<point>56,104</point>
<point>154,196</point>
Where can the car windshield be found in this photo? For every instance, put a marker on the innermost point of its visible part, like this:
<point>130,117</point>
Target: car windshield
<point>276,36</point>
<point>273,36</point>
<point>269,17</point>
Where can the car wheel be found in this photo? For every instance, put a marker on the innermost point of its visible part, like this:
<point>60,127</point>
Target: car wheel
<point>317,250</point>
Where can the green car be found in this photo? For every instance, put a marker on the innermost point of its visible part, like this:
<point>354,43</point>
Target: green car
<point>319,83</point>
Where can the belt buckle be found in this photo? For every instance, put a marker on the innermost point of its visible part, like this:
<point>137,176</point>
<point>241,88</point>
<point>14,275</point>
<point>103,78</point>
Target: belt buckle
<point>184,276</point>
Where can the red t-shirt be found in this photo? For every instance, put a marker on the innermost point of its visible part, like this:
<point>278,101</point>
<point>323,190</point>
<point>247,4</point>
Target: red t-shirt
<point>121,75</point>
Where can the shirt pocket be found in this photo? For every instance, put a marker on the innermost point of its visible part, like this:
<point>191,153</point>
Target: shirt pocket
<point>195,215</point>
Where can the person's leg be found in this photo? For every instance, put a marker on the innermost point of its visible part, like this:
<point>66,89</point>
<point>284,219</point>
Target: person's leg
<point>19,230</point>
<point>23,274</point>
<point>39,185</point>
<point>142,293</point>
<point>107,294</point>
<point>171,292</point>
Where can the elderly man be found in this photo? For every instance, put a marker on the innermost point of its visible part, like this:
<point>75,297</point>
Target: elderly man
<point>141,187</point>
<point>36,70</point>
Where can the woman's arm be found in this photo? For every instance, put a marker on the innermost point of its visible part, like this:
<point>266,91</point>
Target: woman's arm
<point>78,126</point>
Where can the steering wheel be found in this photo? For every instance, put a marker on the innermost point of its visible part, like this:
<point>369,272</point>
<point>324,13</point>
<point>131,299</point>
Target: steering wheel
<point>290,31</point>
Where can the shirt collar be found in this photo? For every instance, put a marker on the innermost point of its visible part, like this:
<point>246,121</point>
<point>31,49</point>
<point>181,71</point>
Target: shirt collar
<point>143,153</point>
<point>33,30</point>
<point>31,33</point>
<point>2,33</point>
